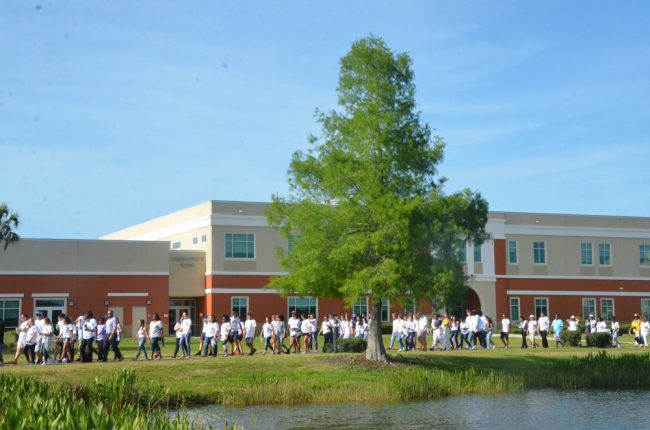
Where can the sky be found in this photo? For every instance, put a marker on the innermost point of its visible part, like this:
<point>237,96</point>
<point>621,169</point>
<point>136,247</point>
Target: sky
<point>113,113</point>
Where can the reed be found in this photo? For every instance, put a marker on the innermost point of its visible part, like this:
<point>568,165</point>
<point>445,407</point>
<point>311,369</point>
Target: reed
<point>119,402</point>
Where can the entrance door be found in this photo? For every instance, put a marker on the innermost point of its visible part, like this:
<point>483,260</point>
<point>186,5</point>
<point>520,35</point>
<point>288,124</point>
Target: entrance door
<point>176,309</point>
<point>51,308</point>
<point>137,313</point>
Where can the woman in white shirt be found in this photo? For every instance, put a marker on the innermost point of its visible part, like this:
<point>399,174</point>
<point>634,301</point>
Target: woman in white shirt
<point>142,337</point>
<point>210,331</point>
<point>156,328</point>
<point>305,329</point>
<point>226,334</point>
<point>360,328</point>
<point>464,333</point>
<point>346,327</point>
<point>532,331</point>
<point>615,329</point>
<point>69,329</point>
<point>30,342</point>
<point>267,334</point>
<point>47,334</point>
<point>178,329</point>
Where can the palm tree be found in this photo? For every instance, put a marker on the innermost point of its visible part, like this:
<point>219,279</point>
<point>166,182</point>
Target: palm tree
<point>8,223</point>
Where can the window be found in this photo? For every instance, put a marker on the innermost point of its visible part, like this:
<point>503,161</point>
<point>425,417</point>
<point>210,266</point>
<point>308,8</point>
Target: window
<point>195,241</point>
<point>644,254</point>
<point>291,241</point>
<point>512,252</point>
<point>539,253</point>
<point>541,305</point>
<point>515,313</point>
<point>606,309</point>
<point>588,307</point>
<point>604,254</point>
<point>10,311</point>
<point>462,253</point>
<point>645,308</point>
<point>409,305</point>
<point>204,238</point>
<point>303,305</point>
<point>240,245</point>
<point>385,310</point>
<point>586,254</point>
<point>477,253</point>
<point>176,245</point>
<point>240,305</point>
<point>360,306</point>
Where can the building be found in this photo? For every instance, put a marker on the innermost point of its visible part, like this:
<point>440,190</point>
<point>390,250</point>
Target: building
<point>219,256</point>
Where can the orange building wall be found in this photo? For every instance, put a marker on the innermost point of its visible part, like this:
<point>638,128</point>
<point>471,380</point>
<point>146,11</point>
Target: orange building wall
<point>88,292</point>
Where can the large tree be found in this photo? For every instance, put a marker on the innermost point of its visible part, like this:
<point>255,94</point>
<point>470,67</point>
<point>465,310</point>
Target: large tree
<point>366,208</point>
<point>9,222</point>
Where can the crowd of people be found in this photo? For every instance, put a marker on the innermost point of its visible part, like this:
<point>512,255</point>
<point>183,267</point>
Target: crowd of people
<point>86,337</point>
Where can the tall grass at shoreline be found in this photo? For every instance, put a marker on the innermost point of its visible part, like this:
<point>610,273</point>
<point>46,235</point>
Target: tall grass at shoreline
<point>118,402</point>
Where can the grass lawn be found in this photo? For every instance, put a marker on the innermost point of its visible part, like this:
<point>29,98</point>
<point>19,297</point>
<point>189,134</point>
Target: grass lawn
<point>300,378</point>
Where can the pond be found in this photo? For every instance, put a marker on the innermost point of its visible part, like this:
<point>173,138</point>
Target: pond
<point>533,409</point>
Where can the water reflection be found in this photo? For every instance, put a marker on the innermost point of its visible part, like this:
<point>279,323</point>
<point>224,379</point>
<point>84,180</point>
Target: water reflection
<point>529,410</point>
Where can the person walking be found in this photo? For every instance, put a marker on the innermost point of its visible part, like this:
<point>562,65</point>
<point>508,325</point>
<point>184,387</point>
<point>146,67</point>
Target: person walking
<point>556,327</point>
<point>250,326</point>
<point>616,331</point>
<point>88,332</point>
<point>505,331</point>
<point>114,336</point>
<point>543,326</point>
<point>156,329</point>
<point>533,329</point>
<point>523,330</point>
<point>142,337</point>
<point>102,339</point>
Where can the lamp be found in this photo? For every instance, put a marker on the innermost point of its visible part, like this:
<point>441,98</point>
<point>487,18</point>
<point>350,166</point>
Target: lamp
<point>148,301</point>
<point>71,303</point>
<point>107,303</point>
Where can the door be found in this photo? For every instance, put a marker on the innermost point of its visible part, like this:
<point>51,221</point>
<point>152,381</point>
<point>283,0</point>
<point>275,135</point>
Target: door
<point>137,313</point>
<point>51,308</point>
<point>118,312</point>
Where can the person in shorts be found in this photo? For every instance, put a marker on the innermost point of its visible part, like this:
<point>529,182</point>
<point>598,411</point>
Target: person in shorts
<point>250,326</point>
<point>556,327</point>
<point>294,332</point>
<point>21,331</point>
<point>505,331</point>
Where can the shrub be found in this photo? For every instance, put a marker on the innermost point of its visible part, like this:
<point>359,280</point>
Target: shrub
<point>599,340</point>
<point>351,345</point>
<point>571,338</point>
<point>386,328</point>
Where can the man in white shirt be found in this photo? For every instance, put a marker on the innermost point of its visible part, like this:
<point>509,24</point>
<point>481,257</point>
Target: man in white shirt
<point>186,330</point>
<point>113,338</point>
<point>481,328</point>
<point>250,325</point>
<point>294,332</point>
<point>88,332</point>
<point>505,331</point>
<point>542,326</point>
<point>645,330</point>
<point>423,326</point>
<point>435,329</point>
<point>472,321</point>
<point>395,333</point>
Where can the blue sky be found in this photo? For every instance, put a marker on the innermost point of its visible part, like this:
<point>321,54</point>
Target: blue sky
<point>112,113</point>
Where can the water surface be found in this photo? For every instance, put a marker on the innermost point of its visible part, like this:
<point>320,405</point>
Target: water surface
<point>531,410</point>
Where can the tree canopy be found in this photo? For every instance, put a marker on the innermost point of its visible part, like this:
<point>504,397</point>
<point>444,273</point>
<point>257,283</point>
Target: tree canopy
<point>9,222</point>
<point>367,210</point>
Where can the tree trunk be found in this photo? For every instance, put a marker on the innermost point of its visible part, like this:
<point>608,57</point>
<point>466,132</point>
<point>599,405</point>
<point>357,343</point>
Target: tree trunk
<point>376,350</point>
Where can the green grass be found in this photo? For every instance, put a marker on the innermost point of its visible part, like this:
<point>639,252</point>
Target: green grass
<point>328,378</point>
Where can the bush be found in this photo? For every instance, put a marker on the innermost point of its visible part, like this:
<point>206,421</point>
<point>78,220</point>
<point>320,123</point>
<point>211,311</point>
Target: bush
<point>386,328</point>
<point>599,340</point>
<point>351,345</point>
<point>571,338</point>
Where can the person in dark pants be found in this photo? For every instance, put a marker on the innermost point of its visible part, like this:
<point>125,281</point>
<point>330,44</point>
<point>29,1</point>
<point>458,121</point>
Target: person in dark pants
<point>543,326</point>
<point>523,329</point>
<point>89,331</point>
<point>113,335</point>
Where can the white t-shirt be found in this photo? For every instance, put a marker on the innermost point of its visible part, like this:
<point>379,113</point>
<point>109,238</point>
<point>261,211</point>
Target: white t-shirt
<point>543,323</point>
<point>601,327</point>
<point>615,327</point>
<point>68,331</point>
<point>111,325</point>
<point>39,324</point>
<point>305,326</point>
<point>186,326</point>
<point>31,334</point>
<point>46,330</point>
<point>396,324</point>
<point>89,329</point>
<point>210,328</point>
<point>267,330</point>
<point>294,325</point>
<point>235,325</point>
<point>481,323</point>
<point>422,324</point>
<point>472,322</point>
<point>314,325</point>
<point>155,328</point>
<point>22,333</point>
<point>142,333</point>
<point>573,325</point>
<point>225,331</point>
<point>532,327</point>
<point>250,326</point>
<point>178,328</point>
<point>346,329</point>
<point>505,325</point>
<point>645,328</point>
<point>463,327</point>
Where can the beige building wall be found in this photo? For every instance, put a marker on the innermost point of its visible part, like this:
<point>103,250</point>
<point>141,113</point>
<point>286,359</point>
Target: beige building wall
<point>60,256</point>
<point>187,274</point>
